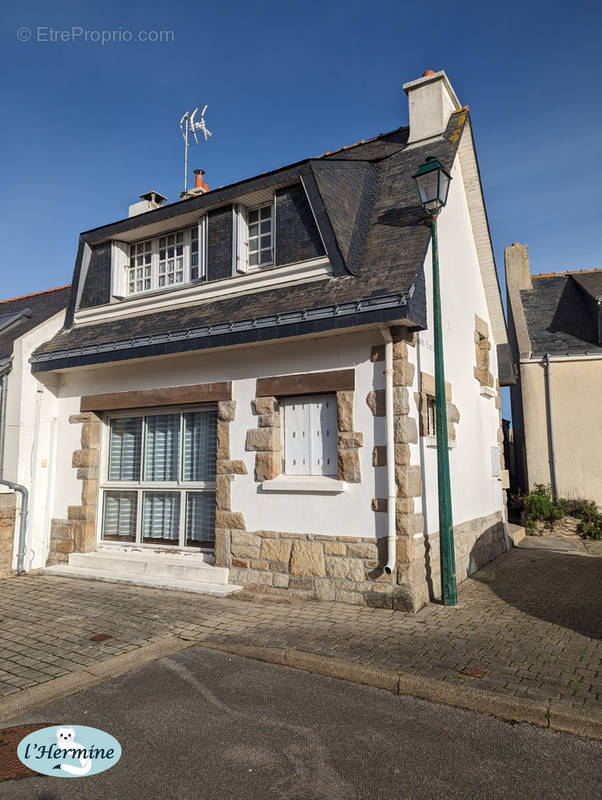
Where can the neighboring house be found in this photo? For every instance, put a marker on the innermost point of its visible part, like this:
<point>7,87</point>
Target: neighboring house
<point>555,323</point>
<point>219,382</point>
<point>25,322</point>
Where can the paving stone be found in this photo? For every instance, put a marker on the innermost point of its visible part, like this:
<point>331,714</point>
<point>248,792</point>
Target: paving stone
<point>530,619</point>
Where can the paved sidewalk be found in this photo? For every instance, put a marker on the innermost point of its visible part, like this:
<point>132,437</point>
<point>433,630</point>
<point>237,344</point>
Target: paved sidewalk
<point>530,621</point>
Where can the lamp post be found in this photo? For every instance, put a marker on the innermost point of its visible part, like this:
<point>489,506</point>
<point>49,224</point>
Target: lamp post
<point>432,182</point>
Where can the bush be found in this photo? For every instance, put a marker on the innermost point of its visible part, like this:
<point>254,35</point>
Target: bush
<point>538,505</point>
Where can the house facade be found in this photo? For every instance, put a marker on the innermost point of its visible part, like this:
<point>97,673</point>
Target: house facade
<point>26,434</point>
<point>555,325</point>
<point>219,382</point>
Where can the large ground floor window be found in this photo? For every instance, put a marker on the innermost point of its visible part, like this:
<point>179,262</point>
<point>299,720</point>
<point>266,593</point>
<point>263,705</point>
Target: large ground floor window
<point>158,477</point>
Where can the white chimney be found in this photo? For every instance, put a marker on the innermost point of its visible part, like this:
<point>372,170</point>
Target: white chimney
<point>432,100</point>
<point>148,202</point>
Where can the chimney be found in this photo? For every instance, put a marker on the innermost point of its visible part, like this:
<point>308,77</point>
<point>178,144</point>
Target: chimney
<point>148,202</point>
<point>200,187</point>
<point>432,100</point>
<point>518,270</point>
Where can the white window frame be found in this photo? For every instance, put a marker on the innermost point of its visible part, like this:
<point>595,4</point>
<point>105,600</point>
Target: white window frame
<point>240,237</point>
<point>140,486</point>
<point>287,469</point>
<point>120,262</point>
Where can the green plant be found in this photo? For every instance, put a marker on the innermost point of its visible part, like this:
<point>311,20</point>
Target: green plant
<point>538,505</point>
<point>591,529</point>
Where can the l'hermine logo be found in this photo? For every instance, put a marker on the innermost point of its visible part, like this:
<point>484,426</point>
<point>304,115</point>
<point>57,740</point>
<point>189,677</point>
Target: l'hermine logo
<point>69,752</point>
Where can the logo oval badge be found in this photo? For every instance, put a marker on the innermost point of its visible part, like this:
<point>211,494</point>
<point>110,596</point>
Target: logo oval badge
<point>69,751</point>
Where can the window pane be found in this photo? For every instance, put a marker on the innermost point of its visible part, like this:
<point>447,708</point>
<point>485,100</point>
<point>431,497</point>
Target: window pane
<point>200,430</point>
<point>266,256</point>
<point>162,447</point>
<point>124,449</point>
<point>119,516</point>
<point>200,518</point>
<point>253,216</point>
<point>161,517</point>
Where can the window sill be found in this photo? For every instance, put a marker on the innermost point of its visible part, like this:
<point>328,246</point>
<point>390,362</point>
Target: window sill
<point>431,441</point>
<point>487,391</point>
<point>312,484</point>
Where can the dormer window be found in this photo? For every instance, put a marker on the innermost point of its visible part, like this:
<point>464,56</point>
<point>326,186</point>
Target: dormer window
<point>165,261</point>
<point>260,236</point>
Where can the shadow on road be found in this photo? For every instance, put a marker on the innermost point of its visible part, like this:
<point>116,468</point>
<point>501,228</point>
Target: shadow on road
<point>557,587</point>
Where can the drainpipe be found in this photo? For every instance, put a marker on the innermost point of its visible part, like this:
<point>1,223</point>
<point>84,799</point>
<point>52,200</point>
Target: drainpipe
<point>391,488</point>
<point>3,383</point>
<point>551,430</point>
<point>23,521</point>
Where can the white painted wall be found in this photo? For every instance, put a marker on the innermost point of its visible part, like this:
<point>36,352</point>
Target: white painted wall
<point>27,444</point>
<point>348,513</point>
<point>474,492</point>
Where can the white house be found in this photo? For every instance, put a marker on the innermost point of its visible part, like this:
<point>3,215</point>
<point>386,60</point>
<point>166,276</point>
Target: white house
<point>219,383</point>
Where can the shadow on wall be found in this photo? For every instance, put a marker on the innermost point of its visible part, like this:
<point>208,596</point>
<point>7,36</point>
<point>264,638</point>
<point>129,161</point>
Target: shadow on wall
<point>473,551</point>
<point>556,587</point>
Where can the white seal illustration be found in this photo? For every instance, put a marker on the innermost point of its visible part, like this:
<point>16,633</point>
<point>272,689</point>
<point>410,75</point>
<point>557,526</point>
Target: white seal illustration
<point>66,740</point>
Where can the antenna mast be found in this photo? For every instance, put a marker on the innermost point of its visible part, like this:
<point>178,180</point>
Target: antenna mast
<point>188,126</point>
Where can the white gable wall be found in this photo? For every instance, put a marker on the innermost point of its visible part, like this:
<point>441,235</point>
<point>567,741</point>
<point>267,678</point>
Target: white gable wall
<point>30,407</point>
<point>474,492</point>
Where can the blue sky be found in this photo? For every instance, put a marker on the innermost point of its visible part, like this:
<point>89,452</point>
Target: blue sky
<point>87,128</point>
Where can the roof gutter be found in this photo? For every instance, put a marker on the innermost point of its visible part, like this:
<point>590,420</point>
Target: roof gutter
<point>292,323</point>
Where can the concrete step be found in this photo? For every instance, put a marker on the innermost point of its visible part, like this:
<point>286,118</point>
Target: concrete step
<point>150,581</point>
<point>152,565</point>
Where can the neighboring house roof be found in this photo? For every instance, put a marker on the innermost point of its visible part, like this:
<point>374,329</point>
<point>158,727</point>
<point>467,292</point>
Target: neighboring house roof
<point>561,312</point>
<point>21,314</point>
<point>364,200</point>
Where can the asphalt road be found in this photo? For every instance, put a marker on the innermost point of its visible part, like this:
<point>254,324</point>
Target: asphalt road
<point>203,724</point>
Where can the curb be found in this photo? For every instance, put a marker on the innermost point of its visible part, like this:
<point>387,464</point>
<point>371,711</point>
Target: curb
<point>29,699</point>
<point>553,716</point>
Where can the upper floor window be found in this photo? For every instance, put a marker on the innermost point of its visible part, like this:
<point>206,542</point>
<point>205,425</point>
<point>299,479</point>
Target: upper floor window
<point>165,261</point>
<point>253,244</point>
<point>260,236</point>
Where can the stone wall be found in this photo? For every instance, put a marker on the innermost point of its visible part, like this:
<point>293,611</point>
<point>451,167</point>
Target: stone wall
<point>77,533</point>
<point>345,569</point>
<point>8,515</point>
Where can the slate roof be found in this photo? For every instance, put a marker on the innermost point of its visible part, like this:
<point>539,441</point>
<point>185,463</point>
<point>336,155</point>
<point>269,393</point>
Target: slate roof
<point>42,306</point>
<point>561,312</point>
<point>366,195</point>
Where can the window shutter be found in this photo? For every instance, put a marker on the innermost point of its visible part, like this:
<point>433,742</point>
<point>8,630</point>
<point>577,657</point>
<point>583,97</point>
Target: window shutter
<point>296,436</point>
<point>310,435</point>
<point>203,247</point>
<point>119,263</point>
<point>239,239</point>
<point>323,436</point>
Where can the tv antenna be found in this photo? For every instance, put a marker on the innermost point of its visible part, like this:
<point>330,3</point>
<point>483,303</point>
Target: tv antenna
<point>189,126</point>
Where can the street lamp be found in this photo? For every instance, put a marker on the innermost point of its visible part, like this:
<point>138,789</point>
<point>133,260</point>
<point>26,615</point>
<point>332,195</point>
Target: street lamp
<point>432,182</point>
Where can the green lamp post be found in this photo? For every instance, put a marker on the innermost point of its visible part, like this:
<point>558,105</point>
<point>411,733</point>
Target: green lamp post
<point>432,182</point>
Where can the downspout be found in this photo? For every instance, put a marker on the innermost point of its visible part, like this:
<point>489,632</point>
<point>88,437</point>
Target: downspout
<point>3,383</point>
<point>23,521</point>
<point>551,430</point>
<point>391,488</point>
